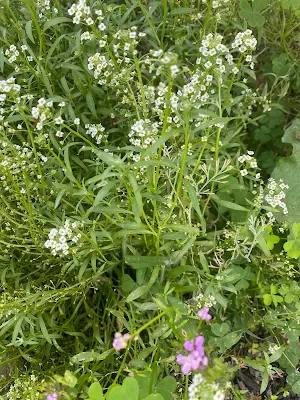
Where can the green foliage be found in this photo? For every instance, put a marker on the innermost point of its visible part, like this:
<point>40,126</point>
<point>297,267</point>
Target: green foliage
<point>292,247</point>
<point>252,12</point>
<point>287,169</point>
<point>131,198</point>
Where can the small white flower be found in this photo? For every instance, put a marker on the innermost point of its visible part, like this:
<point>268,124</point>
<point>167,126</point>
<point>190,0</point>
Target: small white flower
<point>77,121</point>
<point>58,120</point>
<point>244,172</point>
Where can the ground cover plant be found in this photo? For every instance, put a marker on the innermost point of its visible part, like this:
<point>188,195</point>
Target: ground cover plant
<point>150,217</point>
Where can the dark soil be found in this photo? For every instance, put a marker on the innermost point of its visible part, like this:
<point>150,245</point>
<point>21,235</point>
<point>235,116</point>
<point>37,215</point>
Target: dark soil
<point>249,379</point>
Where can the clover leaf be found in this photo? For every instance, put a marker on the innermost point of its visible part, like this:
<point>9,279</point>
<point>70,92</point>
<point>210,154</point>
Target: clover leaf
<point>251,13</point>
<point>286,170</point>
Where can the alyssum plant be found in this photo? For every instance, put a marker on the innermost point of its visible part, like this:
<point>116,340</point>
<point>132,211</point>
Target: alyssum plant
<point>136,230</point>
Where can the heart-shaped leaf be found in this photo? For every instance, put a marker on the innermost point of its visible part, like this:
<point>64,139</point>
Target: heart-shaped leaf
<point>95,391</point>
<point>220,329</point>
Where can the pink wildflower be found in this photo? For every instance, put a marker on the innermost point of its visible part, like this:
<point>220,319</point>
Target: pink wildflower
<point>120,341</point>
<point>203,314</point>
<point>52,396</point>
<point>196,359</point>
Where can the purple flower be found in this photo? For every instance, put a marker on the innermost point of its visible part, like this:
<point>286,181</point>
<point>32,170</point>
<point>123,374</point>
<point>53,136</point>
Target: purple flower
<point>120,341</point>
<point>203,314</point>
<point>52,396</point>
<point>188,345</point>
<point>196,359</point>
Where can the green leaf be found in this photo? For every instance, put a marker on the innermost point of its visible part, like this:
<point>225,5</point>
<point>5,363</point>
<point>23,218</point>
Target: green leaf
<point>70,379</point>
<point>293,379</point>
<point>91,104</point>
<point>140,291</point>
<point>44,329</point>
<point>103,192</point>
<point>166,387</point>
<point>286,170</point>
<point>267,299</point>
<point>128,284</point>
<point>95,392</point>
<point>146,261</point>
<point>292,248</point>
<point>28,30</point>
<point>251,13</point>
<point>228,204</point>
<point>156,396</point>
<point>55,21</point>
<point>90,356</point>
<point>265,381</point>
<point>180,11</point>
<point>220,329</point>
<point>131,388</point>
<point>128,391</point>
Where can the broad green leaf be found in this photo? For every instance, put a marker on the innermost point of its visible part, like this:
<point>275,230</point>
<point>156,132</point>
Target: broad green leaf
<point>220,329</point>
<point>293,379</point>
<point>166,387</point>
<point>267,299</point>
<point>251,12</point>
<point>128,284</point>
<point>131,388</point>
<point>70,378</point>
<point>292,248</point>
<point>156,396</point>
<point>95,392</point>
<point>286,170</point>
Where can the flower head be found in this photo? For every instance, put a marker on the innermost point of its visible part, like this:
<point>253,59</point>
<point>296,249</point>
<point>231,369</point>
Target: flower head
<point>120,341</point>
<point>203,314</point>
<point>196,359</point>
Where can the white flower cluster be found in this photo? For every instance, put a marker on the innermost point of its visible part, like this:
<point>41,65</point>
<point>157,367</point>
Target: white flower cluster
<point>7,86</point>
<point>212,45</point>
<point>143,133</point>
<point>60,239</point>
<point>42,112</point>
<point>96,132</point>
<point>219,3</point>
<point>244,41</point>
<point>275,194</point>
<point>12,53</point>
<point>209,300</point>
<point>15,163</point>
<point>44,6</point>
<point>86,36</point>
<point>100,66</point>
<point>81,12</point>
<point>201,389</point>
<point>249,160</point>
<point>273,347</point>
